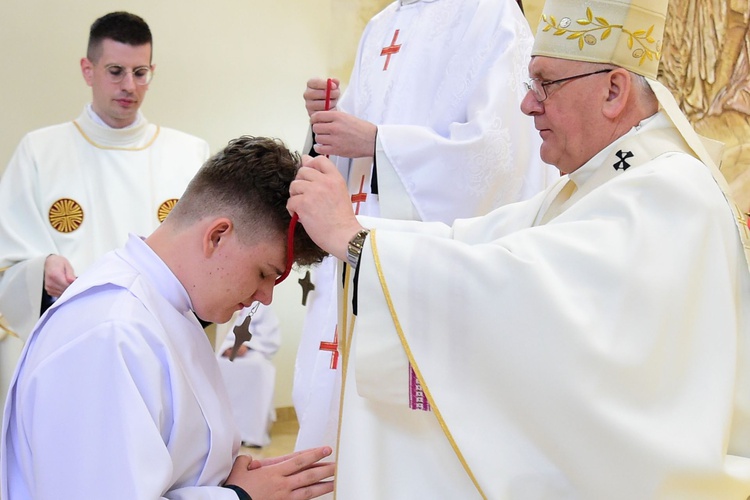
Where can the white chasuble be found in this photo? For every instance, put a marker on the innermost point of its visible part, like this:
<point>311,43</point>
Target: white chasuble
<point>77,189</point>
<point>604,354</point>
<point>442,80</point>
<point>118,394</point>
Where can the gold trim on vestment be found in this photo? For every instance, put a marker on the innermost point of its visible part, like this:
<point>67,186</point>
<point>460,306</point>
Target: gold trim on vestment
<point>413,362</point>
<point>681,123</point>
<point>117,148</point>
<point>344,343</point>
<point>5,329</point>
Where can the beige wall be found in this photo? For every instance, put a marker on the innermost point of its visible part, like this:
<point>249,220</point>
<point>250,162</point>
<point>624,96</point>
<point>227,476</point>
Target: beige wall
<point>224,68</point>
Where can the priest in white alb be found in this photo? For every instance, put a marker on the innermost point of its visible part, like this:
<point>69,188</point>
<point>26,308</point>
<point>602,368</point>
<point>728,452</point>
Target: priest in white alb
<point>429,128</point>
<point>592,342</point>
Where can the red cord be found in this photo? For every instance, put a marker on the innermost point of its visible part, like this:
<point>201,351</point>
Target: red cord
<point>289,249</point>
<point>295,217</point>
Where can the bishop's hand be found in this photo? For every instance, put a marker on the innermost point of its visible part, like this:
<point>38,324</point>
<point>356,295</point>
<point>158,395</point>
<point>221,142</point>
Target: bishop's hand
<point>319,196</point>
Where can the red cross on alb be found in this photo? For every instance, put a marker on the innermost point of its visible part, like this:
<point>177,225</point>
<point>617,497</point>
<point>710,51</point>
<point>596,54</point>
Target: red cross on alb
<point>360,197</point>
<point>333,348</point>
<point>390,50</point>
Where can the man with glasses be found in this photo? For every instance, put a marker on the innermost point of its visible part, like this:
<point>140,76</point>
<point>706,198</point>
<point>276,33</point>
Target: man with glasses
<point>74,191</point>
<point>591,342</point>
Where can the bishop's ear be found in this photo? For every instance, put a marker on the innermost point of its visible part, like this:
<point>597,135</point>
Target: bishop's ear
<point>620,87</point>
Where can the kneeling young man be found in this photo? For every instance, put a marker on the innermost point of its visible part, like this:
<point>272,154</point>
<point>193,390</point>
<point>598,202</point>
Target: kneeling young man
<point>118,393</point>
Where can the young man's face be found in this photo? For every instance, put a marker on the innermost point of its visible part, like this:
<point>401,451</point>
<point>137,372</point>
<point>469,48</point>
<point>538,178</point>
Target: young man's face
<point>117,103</point>
<point>240,274</point>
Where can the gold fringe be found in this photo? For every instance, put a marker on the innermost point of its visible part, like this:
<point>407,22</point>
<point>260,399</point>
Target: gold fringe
<point>5,329</point>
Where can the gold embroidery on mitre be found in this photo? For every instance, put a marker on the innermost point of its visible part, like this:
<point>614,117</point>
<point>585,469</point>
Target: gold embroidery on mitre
<point>66,215</point>
<point>165,208</point>
<point>588,35</point>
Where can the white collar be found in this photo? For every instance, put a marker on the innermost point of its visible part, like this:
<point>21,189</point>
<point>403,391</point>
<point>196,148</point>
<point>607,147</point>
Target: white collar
<point>98,119</point>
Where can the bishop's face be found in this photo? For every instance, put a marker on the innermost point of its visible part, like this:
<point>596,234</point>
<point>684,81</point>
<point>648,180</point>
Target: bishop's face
<point>117,103</point>
<point>570,119</point>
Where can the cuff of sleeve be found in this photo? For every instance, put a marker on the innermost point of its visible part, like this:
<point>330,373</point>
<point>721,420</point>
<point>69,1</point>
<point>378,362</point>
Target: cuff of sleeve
<point>241,494</point>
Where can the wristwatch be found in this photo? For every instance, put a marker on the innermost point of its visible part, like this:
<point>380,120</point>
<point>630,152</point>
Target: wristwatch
<point>354,250</point>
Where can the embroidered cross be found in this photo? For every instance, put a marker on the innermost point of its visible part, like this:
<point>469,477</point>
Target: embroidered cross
<point>390,50</point>
<point>307,287</point>
<point>622,164</point>
<point>360,197</point>
<point>333,348</point>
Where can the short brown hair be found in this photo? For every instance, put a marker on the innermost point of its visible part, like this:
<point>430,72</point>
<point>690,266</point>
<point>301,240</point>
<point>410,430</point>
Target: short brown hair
<point>248,182</point>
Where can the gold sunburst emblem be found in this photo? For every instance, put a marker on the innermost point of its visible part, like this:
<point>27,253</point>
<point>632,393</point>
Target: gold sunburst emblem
<point>165,208</point>
<point>66,215</point>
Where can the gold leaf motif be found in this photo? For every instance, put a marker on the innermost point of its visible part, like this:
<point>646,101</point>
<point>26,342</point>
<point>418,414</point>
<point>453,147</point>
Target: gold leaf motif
<point>65,215</point>
<point>593,24</point>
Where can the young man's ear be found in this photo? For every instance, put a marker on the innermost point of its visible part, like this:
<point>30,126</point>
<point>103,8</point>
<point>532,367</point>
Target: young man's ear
<point>216,234</point>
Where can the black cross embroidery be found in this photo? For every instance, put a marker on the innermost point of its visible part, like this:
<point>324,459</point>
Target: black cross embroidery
<point>622,164</point>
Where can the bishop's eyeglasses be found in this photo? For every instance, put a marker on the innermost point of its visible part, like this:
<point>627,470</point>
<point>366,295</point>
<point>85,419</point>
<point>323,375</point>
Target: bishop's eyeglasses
<point>539,87</point>
<point>142,75</point>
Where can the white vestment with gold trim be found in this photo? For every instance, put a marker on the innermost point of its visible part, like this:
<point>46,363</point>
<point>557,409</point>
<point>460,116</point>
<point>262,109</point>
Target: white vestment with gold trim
<point>451,142</point>
<point>603,354</point>
<point>117,179</point>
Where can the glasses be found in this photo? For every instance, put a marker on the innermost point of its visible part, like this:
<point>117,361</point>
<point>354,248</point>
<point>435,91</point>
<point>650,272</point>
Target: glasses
<point>116,73</point>
<point>539,87</point>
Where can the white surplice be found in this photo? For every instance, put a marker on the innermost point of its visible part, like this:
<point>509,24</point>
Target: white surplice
<point>121,180</point>
<point>603,354</point>
<point>118,394</point>
<point>451,142</point>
